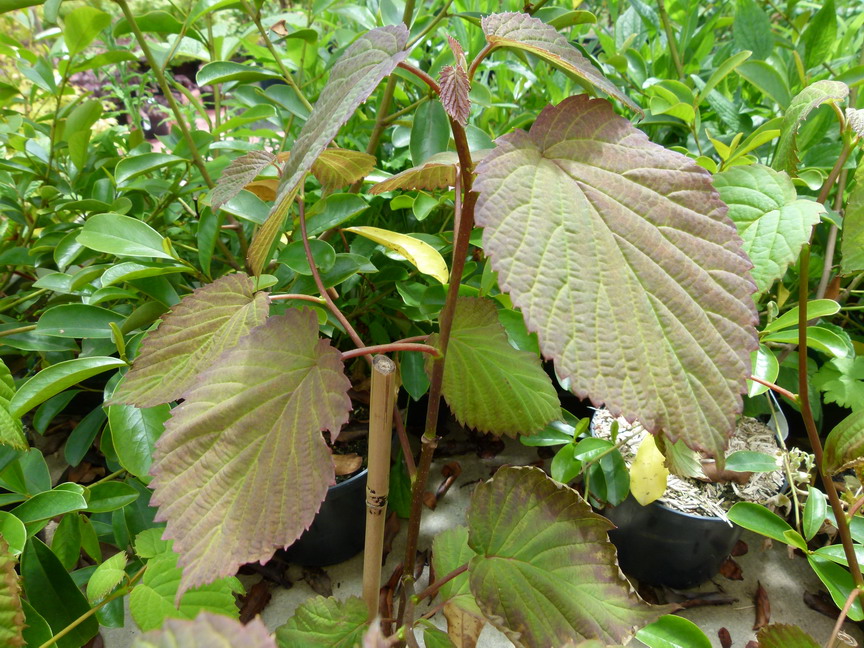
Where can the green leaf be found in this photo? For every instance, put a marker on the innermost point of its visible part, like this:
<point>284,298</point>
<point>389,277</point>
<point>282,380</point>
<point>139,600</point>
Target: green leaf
<point>489,385</point>
<point>66,543</point>
<point>104,60</point>
<point>265,237</point>
<point>820,36</point>
<point>751,29</point>
<point>818,338</point>
<point>435,638</point>
<point>325,623</point>
<point>816,308</point>
<point>11,613</point>
<point>839,582</point>
<point>237,175</point>
<point>437,172</point>
<point>352,79</point>
<point>78,321</point>
<point>37,630</point>
<point>50,504</point>
<point>11,429</point>
<point>134,433</point>
<point>205,631</point>
<point>131,167</point>
<point>110,496</point>
<point>450,551</point>
<point>337,167</point>
<point>333,211</point>
<point>47,583</point>
<point>837,553</point>
<point>671,631</point>
<point>760,520</point>
<point>224,71</point>
<point>842,381</point>
<point>273,393</point>
<point>153,22</point>
<point>852,243</point>
<point>195,332</point>
<point>122,236</point>
<point>778,635</point>
<point>722,71</point>
<point>132,270</point>
<point>565,467</point>
<point>294,256</point>
<point>751,461</point>
<point>521,31</point>
<point>81,26</point>
<point>773,222</point>
<point>13,532</point>
<point>545,572</point>
<point>572,249</point>
<point>107,576</point>
<point>418,253</point>
<point>764,366</point>
<point>54,379</point>
<point>815,512</point>
<point>844,447</point>
<point>430,132</point>
<point>811,97</point>
<point>768,80</point>
<point>153,600</point>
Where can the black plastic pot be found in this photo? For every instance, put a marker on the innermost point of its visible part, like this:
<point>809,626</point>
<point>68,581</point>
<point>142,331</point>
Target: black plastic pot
<point>661,546</point>
<point>338,531</point>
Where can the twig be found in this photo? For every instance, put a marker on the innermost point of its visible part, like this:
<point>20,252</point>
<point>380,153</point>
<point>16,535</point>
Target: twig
<point>776,388</point>
<point>390,348</point>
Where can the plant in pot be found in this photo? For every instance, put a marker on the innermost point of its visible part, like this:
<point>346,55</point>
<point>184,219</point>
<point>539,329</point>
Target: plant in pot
<point>576,213</point>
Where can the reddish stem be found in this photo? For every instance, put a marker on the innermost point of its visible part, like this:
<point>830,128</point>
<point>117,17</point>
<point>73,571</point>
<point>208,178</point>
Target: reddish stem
<point>420,74</point>
<point>776,388</point>
<point>389,348</point>
<point>300,296</point>
<point>432,590</point>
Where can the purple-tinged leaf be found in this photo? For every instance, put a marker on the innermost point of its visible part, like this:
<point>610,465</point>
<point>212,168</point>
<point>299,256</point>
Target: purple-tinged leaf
<point>337,167</point>
<point>353,78</point>
<point>810,98</point>
<point>438,172</point>
<point>237,175</point>
<point>258,253</point>
<point>206,631</point>
<point>488,384</point>
<point>545,572</point>
<point>855,120</point>
<point>242,467</point>
<point>455,87</point>
<point>844,447</point>
<point>521,31</point>
<point>325,623</point>
<point>620,255</point>
<point>190,338</point>
<point>458,52</point>
<point>778,635</point>
<point>11,614</point>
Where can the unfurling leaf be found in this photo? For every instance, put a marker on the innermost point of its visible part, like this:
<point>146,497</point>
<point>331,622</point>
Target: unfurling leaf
<point>337,167</point>
<point>237,175</point>
<point>438,172</point>
<point>455,87</point>
<point>521,31</point>
<point>242,467</point>
<point>106,577</point>
<point>648,473</point>
<point>617,251</point>
<point>810,98</point>
<point>773,222</point>
<point>418,253</point>
<point>855,120</point>
<point>11,614</point>
<point>190,338</point>
<point>844,447</point>
<point>325,623</point>
<point>778,635</point>
<point>545,572</point>
<point>488,384</point>
<point>206,631</point>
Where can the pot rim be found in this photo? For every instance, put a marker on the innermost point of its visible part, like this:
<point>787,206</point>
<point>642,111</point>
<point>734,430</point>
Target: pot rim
<point>349,481</point>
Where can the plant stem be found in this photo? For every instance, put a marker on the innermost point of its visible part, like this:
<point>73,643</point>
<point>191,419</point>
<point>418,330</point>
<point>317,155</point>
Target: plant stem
<point>107,478</point>
<point>670,38</point>
<point>810,424</point>
<point>776,388</point>
<point>433,588</point>
<point>832,640</point>
<point>389,348</point>
<point>166,90</point>
<point>382,397</point>
<point>432,25</point>
<point>20,329</point>
<point>23,299</point>
<point>420,74</point>
<point>301,296</point>
<point>482,54</point>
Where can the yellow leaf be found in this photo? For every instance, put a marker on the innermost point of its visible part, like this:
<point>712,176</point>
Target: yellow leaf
<point>264,189</point>
<point>419,253</point>
<point>648,473</point>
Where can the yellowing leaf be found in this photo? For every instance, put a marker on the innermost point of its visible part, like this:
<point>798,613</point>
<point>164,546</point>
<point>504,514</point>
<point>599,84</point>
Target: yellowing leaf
<point>418,253</point>
<point>264,189</point>
<point>648,473</point>
<point>337,167</point>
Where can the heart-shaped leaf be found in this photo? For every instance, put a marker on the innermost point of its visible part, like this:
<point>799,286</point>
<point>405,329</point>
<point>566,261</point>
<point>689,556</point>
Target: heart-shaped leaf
<point>545,571</point>
<point>773,222</point>
<point>617,251</point>
<point>208,630</point>
<point>521,31</point>
<point>325,623</point>
<point>242,467</point>
<point>190,338</point>
<point>488,384</point>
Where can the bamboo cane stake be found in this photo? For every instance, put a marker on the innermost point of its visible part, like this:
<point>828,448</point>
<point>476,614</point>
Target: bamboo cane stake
<point>382,397</point>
